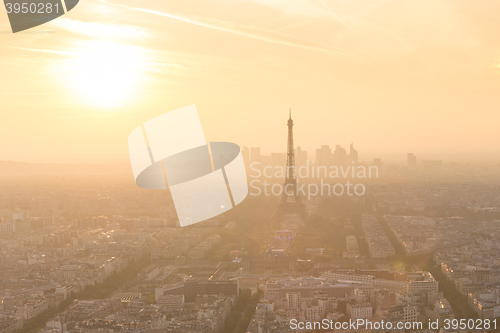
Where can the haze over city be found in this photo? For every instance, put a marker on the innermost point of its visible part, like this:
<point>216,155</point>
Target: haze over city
<point>249,166</point>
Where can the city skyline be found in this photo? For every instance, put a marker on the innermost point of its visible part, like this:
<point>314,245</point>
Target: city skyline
<point>311,155</point>
<point>249,166</point>
<point>399,157</point>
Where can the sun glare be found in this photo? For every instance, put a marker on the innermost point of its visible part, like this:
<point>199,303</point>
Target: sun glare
<point>106,74</point>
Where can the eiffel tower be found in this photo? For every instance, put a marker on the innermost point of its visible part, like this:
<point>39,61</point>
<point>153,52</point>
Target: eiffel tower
<point>291,202</point>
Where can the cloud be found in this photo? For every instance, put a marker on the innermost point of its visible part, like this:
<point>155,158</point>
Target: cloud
<point>101,30</point>
<point>42,50</point>
<point>337,17</point>
<point>246,31</point>
<point>302,8</point>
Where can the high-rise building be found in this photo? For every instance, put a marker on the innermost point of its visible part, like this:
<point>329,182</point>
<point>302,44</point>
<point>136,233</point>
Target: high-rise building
<point>353,154</point>
<point>323,155</point>
<point>412,160</point>
<point>255,154</point>
<point>245,152</point>
<point>293,300</point>
<point>339,156</point>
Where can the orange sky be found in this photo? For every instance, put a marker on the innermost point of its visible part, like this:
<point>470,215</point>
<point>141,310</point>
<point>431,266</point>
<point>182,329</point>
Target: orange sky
<point>391,76</point>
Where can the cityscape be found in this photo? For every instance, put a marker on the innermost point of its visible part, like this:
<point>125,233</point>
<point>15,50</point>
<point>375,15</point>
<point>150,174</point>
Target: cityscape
<point>250,166</point>
<point>106,256</point>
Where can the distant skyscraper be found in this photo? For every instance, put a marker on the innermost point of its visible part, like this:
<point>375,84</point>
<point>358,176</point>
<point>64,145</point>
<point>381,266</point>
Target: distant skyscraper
<point>246,154</point>
<point>323,155</point>
<point>339,156</point>
<point>255,154</point>
<point>353,154</point>
<point>412,159</point>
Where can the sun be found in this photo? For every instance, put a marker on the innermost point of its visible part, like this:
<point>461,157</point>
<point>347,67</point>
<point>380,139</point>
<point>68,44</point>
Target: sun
<point>106,74</point>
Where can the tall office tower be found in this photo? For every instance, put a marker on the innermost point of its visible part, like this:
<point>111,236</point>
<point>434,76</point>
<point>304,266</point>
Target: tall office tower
<point>339,156</point>
<point>412,160</point>
<point>255,154</point>
<point>291,201</point>
<point>324,155</point>
<point>246,154</point>
<point>353,154</point>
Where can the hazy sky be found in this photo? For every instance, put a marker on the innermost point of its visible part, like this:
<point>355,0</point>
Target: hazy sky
<point>391,76</point>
